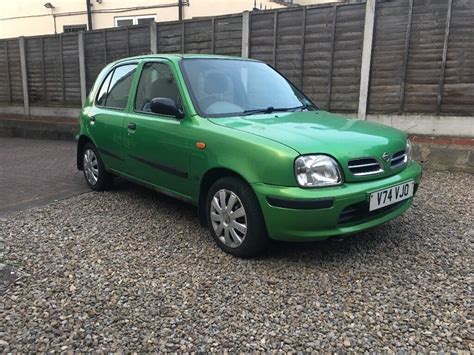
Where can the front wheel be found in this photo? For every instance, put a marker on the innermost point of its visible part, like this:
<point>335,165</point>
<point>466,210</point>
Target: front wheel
<point>234,218</point>
<point>95,174</point>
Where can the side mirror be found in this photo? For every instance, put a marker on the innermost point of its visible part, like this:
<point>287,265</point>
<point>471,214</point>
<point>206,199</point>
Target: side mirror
<point>166,106</point>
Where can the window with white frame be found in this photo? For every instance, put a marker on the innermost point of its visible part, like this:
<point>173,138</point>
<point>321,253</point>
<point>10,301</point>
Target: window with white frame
<point>133,20</point>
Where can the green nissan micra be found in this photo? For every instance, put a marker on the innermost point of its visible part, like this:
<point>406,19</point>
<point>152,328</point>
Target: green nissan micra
<point>238,140</point>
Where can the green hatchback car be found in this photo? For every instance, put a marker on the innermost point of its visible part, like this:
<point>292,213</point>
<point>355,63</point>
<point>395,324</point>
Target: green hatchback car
<point>238,140</point>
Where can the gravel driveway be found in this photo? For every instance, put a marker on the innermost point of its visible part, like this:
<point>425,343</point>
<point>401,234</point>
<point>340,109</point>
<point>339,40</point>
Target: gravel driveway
<point>132,270</point>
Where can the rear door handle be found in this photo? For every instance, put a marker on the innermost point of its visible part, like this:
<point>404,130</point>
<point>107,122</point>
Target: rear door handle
<point>132,126</point>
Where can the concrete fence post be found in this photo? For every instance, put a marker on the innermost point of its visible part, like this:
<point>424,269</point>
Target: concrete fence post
<point>366,57</point>
<point>82,66</point>
<point>444,57</point>
<point>245,34</point>
<point>153,38</point>
<point>24,75</point>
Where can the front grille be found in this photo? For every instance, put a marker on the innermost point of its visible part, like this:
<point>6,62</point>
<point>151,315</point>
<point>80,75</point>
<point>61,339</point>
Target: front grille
<point>359,212</point>
<point>365,166</point>
<point>398,159</point>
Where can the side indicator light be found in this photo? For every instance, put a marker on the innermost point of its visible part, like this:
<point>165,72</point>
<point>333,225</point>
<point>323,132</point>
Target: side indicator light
<point>200,145</point>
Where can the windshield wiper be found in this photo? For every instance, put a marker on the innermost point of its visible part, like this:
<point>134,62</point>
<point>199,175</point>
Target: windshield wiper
<point>271,109</point>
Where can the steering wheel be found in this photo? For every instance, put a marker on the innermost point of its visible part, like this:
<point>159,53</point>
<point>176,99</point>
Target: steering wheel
<point>207,101</point>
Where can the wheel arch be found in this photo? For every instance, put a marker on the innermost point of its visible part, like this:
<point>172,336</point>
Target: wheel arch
<point>209,178</point>
<point>81,142</point>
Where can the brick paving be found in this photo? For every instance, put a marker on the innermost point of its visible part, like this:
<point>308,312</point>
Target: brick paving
<point>34,172</point>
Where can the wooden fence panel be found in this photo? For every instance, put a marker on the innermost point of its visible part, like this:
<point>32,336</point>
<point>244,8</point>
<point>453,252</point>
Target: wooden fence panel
<point>105,46</point>
<point>422,56</point>
<point>14,66</point>
<point>169,37</point>
<point>289,46</point>
<point>139,40</point>
<point>72,85</point>
<point>262,37</point>
<point>53,70</point>
<point>117,44</point>
<point>458,90</point>
<point>228,35</point>
<point>319,41</point>
<point>35,70</point>
<point>95,55</point>
<point>347,58</point>
<point>388,56</point>
<point>198,36</point>
<point>5,92</point>
<point>425,55</point>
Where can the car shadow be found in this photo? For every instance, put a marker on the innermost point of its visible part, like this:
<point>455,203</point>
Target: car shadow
<point>379,239</point>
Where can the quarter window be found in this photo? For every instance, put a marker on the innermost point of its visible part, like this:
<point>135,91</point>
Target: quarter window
<point>116,87</point>
<point>102,95</point>
<point>157,80</point>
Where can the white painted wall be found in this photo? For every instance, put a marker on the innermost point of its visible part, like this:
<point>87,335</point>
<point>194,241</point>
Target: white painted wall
<point>30,17</point>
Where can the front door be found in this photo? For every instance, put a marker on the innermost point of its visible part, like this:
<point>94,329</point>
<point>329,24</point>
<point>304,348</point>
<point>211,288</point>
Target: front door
<point>158,146</point>
<point>108,115</point>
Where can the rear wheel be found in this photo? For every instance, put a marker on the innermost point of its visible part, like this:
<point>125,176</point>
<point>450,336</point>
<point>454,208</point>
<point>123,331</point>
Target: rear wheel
<point>95,174</point>
<point>234,218</point>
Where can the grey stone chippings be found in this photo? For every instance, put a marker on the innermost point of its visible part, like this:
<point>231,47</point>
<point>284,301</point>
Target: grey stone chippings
<point>132,270</point>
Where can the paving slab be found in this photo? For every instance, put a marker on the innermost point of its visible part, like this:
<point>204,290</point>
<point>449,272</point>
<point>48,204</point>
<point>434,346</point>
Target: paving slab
<point>35,172</point>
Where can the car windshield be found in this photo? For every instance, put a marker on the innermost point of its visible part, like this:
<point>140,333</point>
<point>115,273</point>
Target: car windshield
<point>227,87</point>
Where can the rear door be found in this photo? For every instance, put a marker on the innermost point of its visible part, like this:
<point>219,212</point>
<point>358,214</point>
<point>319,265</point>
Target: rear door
<point>108,114</point>
<point>158,146</point>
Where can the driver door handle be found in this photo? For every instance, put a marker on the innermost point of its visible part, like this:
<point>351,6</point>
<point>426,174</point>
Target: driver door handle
<point>132,126</point>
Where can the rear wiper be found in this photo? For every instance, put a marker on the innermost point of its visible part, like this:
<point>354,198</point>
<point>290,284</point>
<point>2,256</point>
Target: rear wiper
<point>271,109</point>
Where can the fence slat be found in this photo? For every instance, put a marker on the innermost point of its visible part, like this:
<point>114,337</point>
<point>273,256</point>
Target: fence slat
<point>63,82</point>
<point>7,69</point>
<point>43,75</point>
<point>182,36</point>
<point>128,42</point>
<point>213,35</point>
<point>104,34</point>
<point>275,28</point>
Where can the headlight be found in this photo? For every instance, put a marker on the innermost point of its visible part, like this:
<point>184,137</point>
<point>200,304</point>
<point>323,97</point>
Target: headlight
<point>409,151</point>
<point>317,170</point>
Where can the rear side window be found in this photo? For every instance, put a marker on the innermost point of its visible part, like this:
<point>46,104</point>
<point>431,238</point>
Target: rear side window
<point>116,87</point>
<point>156,80</point>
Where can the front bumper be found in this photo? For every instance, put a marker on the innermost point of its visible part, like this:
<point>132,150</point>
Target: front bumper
<point>317,214</point>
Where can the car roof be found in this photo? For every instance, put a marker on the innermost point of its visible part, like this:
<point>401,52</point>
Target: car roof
<point>178,57</point>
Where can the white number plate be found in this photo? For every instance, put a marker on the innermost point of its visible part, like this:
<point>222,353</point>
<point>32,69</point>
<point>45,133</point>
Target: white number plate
<point>391,195</point>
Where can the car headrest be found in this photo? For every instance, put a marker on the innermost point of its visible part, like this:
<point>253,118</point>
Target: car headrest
<point>215,83</point>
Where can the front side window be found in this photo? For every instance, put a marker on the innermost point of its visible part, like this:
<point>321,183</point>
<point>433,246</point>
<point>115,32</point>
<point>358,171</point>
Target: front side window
<point>116,87</point>
<point>226,87</point>
<point>156,80</point>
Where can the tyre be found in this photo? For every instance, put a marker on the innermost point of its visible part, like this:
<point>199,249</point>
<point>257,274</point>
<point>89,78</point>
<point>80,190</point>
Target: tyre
<point>94,171</point>
<point>235,219</point>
